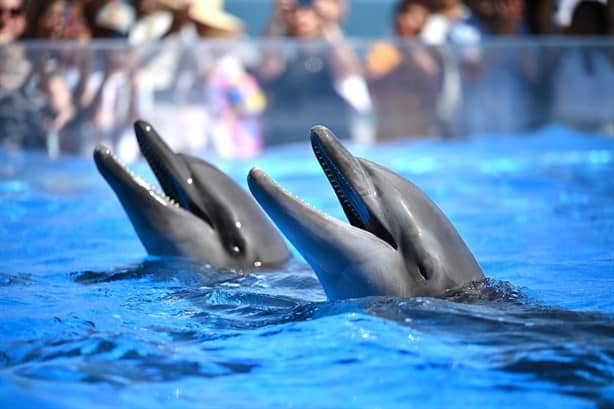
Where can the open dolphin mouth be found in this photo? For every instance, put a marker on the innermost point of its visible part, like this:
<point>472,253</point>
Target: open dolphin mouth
<point>169,168</point>
<point>169,185</point>
<point>348,178</point>
<point>351,202</point>
<point>120,176</point>
<point>345,173</point>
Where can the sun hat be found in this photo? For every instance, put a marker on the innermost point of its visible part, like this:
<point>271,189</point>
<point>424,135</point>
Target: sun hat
<point>210,15</point>
<point>151,27</point>
<point>117,17</point>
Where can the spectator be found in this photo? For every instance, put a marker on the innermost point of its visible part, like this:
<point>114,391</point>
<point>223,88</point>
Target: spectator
<point>156,19</point>
<point>589,18</point>
<point>495,80</point>
<point>111,19</point>
<point>332,13</point>
<point>163,18</point>
<point>498,17</point>
<point>12,20</point>
<point>23,104</point>
<point>211,20</point>
<point>60,20</point>
<point>235,103</point>
<point>585,75</point>
<point>105,91</point>
<point>448,15</point>
<point>173,74</point>
<point>539,16</point>
<point>404,80</point>
<point>450,23</point>
<point>319,84</point>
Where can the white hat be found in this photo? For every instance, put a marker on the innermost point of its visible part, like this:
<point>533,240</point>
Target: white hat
<point>151,27</point>
<point>116,16</point>
<point>211,15</point>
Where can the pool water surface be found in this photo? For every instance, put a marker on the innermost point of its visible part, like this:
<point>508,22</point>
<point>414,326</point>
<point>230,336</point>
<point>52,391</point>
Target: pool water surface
<point>87,319</point>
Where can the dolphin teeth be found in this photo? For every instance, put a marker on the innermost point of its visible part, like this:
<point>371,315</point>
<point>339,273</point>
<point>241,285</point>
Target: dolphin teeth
<point>338,181</point>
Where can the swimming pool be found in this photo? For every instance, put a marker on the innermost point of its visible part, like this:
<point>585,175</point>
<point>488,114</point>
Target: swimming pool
<point>88,320</point>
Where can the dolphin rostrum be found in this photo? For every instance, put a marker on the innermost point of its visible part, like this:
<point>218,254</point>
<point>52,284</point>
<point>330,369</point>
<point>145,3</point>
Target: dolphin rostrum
<point>398,242</point>
<point>203,214</point>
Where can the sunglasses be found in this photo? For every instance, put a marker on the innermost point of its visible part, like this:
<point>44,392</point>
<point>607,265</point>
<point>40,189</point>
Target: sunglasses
<point>12,13</point>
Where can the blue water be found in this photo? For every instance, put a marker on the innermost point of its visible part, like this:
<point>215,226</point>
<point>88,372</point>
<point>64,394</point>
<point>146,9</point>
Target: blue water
<point>88,320</point>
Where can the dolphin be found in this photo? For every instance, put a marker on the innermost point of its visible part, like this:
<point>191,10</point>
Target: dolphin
<point>202,215</point>
<point>398,242</point>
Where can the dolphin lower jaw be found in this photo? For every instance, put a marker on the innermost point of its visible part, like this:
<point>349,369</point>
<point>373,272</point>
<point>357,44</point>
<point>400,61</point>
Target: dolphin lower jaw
<point>125,182</point>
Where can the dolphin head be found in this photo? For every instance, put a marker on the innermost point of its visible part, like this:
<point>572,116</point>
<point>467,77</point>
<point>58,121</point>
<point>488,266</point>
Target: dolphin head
<point>397,242</point>
<point>202,214</point>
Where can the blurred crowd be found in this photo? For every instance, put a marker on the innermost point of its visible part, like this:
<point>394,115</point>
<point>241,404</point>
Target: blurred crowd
<point>436,76</point>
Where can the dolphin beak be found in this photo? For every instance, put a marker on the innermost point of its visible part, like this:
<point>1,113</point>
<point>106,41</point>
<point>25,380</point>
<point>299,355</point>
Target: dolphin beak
<point>107,166</point>
<point>124,182</point>
<point>304,225</point>
<point>327,244</point>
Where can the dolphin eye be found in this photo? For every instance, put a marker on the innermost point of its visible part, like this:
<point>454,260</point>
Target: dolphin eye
<point>235,248</point>
<point>423,271</point>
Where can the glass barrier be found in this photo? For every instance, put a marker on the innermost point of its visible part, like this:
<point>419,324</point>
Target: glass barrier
<point>237,98</point>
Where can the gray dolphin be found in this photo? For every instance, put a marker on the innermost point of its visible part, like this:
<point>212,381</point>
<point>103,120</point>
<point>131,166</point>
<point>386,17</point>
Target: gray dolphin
<point>398,242</point>
<point>203,215</point>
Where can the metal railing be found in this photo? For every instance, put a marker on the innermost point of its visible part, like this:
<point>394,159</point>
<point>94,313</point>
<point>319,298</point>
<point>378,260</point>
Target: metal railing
<point>236,98</point>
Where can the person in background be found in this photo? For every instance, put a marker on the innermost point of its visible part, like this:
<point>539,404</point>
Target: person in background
<point>49,20</point>
<point>23,103</point>
<point>195,85</point>
<point>404,78</point>
<point>59,20</point>
<point>105,91</point>
<point>589,19</point>
<point>332,13</point>
<point>157,19</point>
<point>585,76</point>
<point>61,70</point>
<point>12,20</point>
<point>498,17</point>
<point>236,103</point>
<point>539,16</point>
<point>449,23</point>
<point>320,82</point>
<point>447,16</point>
<point>496,81</point>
